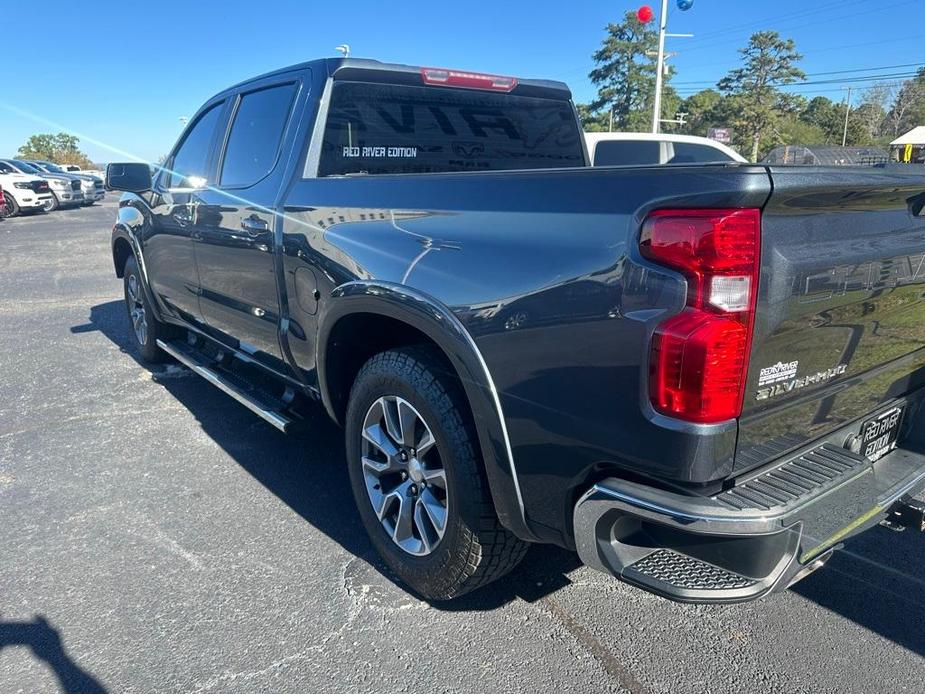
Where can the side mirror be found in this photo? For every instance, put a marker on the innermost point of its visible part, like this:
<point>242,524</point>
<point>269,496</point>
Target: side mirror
<point>132,177</point>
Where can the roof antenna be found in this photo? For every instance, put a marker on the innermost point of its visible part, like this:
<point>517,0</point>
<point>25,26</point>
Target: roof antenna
<point>344,48</point>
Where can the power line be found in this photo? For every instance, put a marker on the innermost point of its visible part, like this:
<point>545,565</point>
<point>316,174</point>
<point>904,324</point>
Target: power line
<point>829,20</point>
<point>799,14</point>
<point>830,72</point>
<point>802,85</point>
<point>827,49</point>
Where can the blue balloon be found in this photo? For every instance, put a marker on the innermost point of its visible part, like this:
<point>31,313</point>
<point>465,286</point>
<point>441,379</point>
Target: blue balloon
<point>685,4</point>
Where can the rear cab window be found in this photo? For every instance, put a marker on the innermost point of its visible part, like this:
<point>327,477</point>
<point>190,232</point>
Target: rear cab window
<point>378,128</point>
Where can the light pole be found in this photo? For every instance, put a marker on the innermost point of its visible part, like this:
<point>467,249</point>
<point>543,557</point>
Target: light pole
<point>660,67</point>
<point>645,16</point>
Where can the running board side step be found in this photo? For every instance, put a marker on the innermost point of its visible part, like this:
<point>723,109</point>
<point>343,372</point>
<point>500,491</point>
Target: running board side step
<point>261,406</point>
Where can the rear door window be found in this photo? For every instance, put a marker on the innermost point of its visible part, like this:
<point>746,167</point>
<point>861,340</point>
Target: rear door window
<point>627,153</point>
<point>389,129</point>
<point>256,134</point>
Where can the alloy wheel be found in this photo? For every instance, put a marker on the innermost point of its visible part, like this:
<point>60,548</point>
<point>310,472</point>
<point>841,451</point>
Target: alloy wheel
<point>136,310</point>
<point>404,475</point>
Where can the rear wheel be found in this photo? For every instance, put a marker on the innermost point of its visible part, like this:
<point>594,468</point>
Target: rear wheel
<point>417,478</point>
<point>145,328</point>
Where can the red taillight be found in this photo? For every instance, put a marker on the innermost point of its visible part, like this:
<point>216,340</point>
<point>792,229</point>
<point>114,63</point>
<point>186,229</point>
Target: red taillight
<point>699,358</point>
<point>467,80</point>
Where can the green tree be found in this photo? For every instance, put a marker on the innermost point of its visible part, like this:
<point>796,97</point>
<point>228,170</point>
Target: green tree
<point>866,123</point>
<point>823,114</point>
<point>625,75</point>
<point>60,149</point>
<point>908,110</point>
<point>768,61</point>
<point>872,111</point>
<point>796,131</point>
<point>672,106</point>
<point>592,121</point>
<point>701,109</point>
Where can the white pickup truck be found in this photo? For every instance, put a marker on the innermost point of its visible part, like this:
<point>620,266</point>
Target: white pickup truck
<point>22,192</point>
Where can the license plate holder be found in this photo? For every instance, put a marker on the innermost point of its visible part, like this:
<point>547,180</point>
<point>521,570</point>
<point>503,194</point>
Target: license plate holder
<point>878,434</point>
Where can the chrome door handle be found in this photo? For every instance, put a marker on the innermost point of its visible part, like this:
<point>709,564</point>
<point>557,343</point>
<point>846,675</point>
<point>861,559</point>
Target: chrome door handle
<point>254,226</point>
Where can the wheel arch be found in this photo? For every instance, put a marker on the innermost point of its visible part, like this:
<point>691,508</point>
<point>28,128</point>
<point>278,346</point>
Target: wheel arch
<point>124,246</point>
<point>121,252</point>
<point>386,308</point>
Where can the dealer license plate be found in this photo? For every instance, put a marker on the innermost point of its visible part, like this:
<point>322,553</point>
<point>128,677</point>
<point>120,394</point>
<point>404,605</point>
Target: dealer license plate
<point>878,435</point>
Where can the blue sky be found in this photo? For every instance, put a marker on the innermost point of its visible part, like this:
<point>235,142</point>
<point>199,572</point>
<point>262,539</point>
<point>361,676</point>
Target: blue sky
<point>122,73</point>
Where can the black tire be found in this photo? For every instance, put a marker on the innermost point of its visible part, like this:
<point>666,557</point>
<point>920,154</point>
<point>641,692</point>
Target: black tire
<point>475,548</point>
<point>10,206</point>
<point>54,204</point>
<point>135,298</point>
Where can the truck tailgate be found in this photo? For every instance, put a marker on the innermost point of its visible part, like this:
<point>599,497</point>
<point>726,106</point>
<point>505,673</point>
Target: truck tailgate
<point>840,327</point>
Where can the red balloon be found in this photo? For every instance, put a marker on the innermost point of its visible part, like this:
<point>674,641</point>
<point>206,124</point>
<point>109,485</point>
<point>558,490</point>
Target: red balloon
<point>645,14</point>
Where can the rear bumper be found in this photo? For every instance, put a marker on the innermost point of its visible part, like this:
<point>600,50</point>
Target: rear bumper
<point>757,537</point>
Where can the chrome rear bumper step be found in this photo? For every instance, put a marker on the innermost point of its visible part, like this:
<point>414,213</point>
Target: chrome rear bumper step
<point>252,398</point>
<point>755,538</point>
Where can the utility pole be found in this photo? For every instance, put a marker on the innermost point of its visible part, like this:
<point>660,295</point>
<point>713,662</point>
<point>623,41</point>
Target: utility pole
<point>660,67</point>
<point>844,138</point>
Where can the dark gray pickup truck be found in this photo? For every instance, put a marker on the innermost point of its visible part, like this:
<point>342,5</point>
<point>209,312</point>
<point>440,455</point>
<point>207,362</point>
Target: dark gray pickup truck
<point>704,378</point>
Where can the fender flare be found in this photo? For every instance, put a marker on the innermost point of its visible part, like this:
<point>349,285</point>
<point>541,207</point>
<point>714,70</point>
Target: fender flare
<point>130,217</point>
<point>438,323</point>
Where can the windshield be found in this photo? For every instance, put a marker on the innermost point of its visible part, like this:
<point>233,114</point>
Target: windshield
<point>48,166</point>
<point>26,168</point>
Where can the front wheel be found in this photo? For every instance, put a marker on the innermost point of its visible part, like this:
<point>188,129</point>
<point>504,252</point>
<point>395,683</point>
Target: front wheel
<point>146,329</point>
<point>10,207</point>
<point>52,203</point>
<point>417,477</point>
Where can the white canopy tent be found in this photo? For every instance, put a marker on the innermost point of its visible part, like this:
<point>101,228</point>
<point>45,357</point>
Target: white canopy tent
<point>916,136</point>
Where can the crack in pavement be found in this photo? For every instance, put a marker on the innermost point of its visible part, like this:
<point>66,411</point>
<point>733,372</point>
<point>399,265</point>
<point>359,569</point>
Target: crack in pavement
<point>592,644</point>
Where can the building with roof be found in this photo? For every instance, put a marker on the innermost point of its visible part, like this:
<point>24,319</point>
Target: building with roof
<point>909,148</point>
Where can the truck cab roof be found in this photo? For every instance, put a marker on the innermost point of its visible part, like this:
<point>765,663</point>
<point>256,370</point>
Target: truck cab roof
<point>369,70</point>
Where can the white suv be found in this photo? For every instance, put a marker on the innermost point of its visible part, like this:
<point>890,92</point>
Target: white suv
<point>22,192</point>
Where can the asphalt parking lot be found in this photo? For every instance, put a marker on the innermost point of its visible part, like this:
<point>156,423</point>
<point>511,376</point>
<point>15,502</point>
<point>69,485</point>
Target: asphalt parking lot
<point>157,536</point>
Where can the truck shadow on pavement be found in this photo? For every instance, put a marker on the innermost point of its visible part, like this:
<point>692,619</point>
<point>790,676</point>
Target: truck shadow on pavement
<point>45,643</point>
<point>307,471</point>
<point>875,582</point>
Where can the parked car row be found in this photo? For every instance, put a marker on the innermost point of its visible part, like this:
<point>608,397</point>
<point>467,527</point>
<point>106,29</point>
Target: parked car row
<point>42,186</point>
